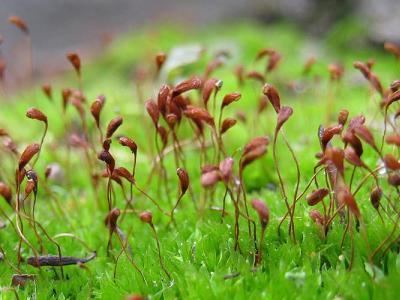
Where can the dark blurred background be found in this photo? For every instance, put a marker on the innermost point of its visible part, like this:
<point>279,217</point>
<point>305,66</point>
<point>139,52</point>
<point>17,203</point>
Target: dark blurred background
<point>58,26</point>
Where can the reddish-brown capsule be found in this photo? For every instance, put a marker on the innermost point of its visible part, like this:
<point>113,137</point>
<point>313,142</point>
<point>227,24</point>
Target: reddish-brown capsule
<point>193,83</point>
<point>317,217</point>
<point>336,71</point>
<point>77,103</point>
<point>252,156</point>
<point>356,122</point>
<point>394,179</point>
<point>326,134</point>
<point>375,197</point>
<point>262,104</point>
<point>183,179</point>
<point>210,176</point>
<point>227,124</point>
<point>135,297</point>
<point>66,94</point>
<point>393,139</point>
<point>212,66</point>
<point>226,168</point>
<point>342,117</point>
<point>47,90</point>
<point>78,95</point>
<point>75,61</point>
<point>239,72</point>
<point>344,196</point>
<point>241,116</point>
<point>124,173</point>
<point>208,168</point>
<point>363,68</point>
<point>20,175</point>
<point>162,98</point>
<point>336,156</point>
<point>163,133</point>
<point>107,144</point>
<point>395,86</point>
<point>395,96</point>
<point>273,96</point>
<point>152,110</point>
<point>30,186</point>
<point>160,60</point>
<point>10,145</point>
<point>273,61</point>
<point>208,87</point>
<point>171,119</point>
<point>77,141</point>
<point>114,177</point>
<point>370,76</point>
<point>283,115</point>
<point>113,126</point>
<point>351,156</point>
<point>112,218</point>
<point>146,217</point>
<point>317,196</point>
<point>3,132</point>
<point>264,52</point>
<point>5,192</point>
<point>127,142</point>
<point>32,176</point>
<point>370,63</point>
<point>19,23</point>
<point>200,114</point>
<point>30,151</point>
<point>180,102</point>
<point>255,75</point>
<point>391,162</point>
<point>350,138</point>
<point>48,172</point>
<point>255,143</point>
<point>108,159</point>
<point>229,98</point>
<point>262,211</point>
<point>96,108</point>
<point>20,280</point>
<point>253,150</point>
<point>392,48</point>
<point>34,113</point>
<point>209,179</point>
<point>274,58</point>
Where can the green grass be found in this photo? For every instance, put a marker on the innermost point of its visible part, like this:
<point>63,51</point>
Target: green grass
<point>199,251</point>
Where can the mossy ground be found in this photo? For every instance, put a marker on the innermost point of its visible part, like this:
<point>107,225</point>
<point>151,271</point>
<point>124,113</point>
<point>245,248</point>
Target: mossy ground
<point>199,251</point>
